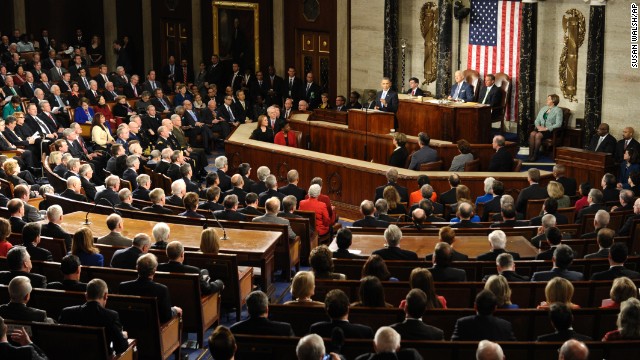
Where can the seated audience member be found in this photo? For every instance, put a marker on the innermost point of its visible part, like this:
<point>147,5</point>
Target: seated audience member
<point>398,157</point>
<point>413,328</point>
<point>498,241</point>
<point>390,194</point>
<point>343,240</point>
<point>333,216</point>
<point>556,191</point>
<point>562,258</point>
<point>488,350</point>
<point>558,290</point>
<point>532,192</point>
<point>292,186</point>
<point>448,235</point>
<point>561,318</point>
<point>569,184</point>
<point>288,207</point>
<point>237,183</point>
<point>382,210</point>
<point>127,258</point>
<point>507,268</point>
<point>371,293</point>
<point>502,160</point>
<point>418,195</point>
<point>424,154</point>
<point>495,204</point>
<point>86,174</point>
<point>628,322</point>
<point>126,199</point>
<point>251,205</point>
<point>191,201</point>
<point>626,201</point>
<point>141,192</point>
<point>31,240</point>
<point>583,191</point>
<point>421,278</point>
<point>95,313</point>
<point>392,178</point>
<point>19,264</point>
<point>387,345</point>
<point>367,209</point>
<point>499,286</point>
<point>110,192</point>
<point>212,195</point>
<point>626,229</point>
<point>617,256</point>
<point>70,269</point>
<point>323,219</point>
<point>483,325</point>
<point>375,266</point>
<point>272,191</point>
<point>302,289</point>
<point>222,344</point>
<point>463,195</point>
<point>5,231</point>
<point>286,136</point>
<point>17,309</point>
<point>605,240</point>
<point>509,218</point>
<point>175,254</point>
<point>321,262</point>
<point>441,270</point>
<point>178,191</point>
<point>82,247</point>
<point>418,219</point>
<point>73,190</point>
<point>622,289</point>
<point>209,241</point>
<point>610,192</point>
<point>573,349</point>
<point>550,206</point>
<point>554,238</point>
<point>548,221</point>
<point>595,203</point>
<point>465,214</point>
<point>460,160</point>
<point>600,221</point>
<point>230,211</point>
<point>52,228</point>
<point>158,200</point>
<point>336,304</point>
<point>488,191</point>
<point>392,251</point>
<point>311,347</point>
<point>160,233</point>
<point>144,285</point>
<point>115,223</point>
<point>258,322</point>
<point>26,349</point>
<point>16,214</point>
<point>271,216</point>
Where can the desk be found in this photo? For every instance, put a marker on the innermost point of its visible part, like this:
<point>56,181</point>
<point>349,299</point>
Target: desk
<point>252,247</point>
<point>452,122</point>
<point>423,245</point>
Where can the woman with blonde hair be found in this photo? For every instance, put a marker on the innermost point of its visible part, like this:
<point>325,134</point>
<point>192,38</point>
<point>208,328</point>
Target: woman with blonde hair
<point>558,290</point>
<point>82,247</point>
<point>302,289</point>
<point>100,133</point>
<point>622,289</point>
<point>393,199</point>
<point>499,286</point>
<point>400,153</point>
<point>628,322</point>
<point>209,241</point>
<point>556,191</point>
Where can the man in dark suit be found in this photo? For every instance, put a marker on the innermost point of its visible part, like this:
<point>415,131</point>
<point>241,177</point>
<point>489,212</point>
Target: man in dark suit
<point>251,205</point>
<point>507,268</point>
<point>52,228</point>
<point>595,203</point>
<point>293,87</point>
<point>569,184</point>
<point>336,303</point>
<point>151,84</point>
<point>230,212</point>
<point>627,142</point>
<point>392,250</point>
<point>132,90</point>
<point>627,228</point>
<point>441,270</point>
<point>605,240</point>
<point>465,211</point>
<point>19,263</point>
<point>161,102</point>
<point>626,201</point>
<point>31,239</point>
<point>600,221</point>
<point>126,258</point>
<point>491,95</point>
<point>311,92</point>
<point>602,141</point>
<point>175,253</point>
<point>425,154</point>
<point>158,200</point>
<point>562,259</point>
<point>561,318</point>
<point>502,160</point>
<point>17,309</point>
<point>386,99</point>
<point>142,190</point>
<point>461,90</point>
<point>367,209</point>
<point>532,192</point>
<point>110,193</point>
<point>498,241</point>
<point>554,238</point>
<point>272,191</point>
<point>550,206</point>
<point>387,346</point>
<point>449,196</point>
<point>448,235</point>
<point>70,269</point>
<point>94,313</point>
<point>258,322</point>
<point>292,187</point>
<point>413,328</point>
<point>237,189</point>
<point>26,350</point>
<point>392,178</point>
<point>222,167</point>
<point>16,212</point>
<point>414,87</point>
<point>74,184</point>
<point>617,256</point>
<point>144,285</point>
<point>483,325</point>
<point>509,218</point>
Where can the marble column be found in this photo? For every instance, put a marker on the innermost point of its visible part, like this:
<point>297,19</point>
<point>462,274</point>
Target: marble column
<point>19,16</point>
<point>527,76</point>
<point>445,33</point>
<point>278,38</point>
<point>147,37</point>
<point>196,35</point>
<point>342,46</point>
<point>110,32</point>
<point>390,49</point>
<point>595,69</point>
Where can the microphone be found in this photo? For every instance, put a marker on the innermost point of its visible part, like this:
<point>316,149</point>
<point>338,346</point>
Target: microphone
<point>224,231</point>
<point>86,218</point>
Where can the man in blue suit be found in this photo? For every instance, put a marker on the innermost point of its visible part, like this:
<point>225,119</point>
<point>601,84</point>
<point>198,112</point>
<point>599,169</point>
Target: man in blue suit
<point>461,90</point>
<point>386,99</point>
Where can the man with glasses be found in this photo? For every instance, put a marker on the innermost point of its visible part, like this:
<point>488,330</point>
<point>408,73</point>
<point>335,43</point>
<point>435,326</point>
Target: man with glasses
<point>228,112</point>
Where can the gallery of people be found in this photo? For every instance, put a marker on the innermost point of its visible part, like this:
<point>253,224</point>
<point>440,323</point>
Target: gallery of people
<point>319,179</point>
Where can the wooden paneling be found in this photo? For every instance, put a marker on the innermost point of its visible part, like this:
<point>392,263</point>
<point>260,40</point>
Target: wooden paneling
<point>585,165</point>
<point>129,21</point>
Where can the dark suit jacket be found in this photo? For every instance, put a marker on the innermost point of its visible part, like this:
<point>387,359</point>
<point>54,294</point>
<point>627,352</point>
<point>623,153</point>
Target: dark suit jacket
<point>548,275</point>
<point>125,206</point>
<point>600,254</point>
<point>229,215</point>
<point>569,185</point>
<point>55,231</point>
<point>37,280</point>
<point>404,194</point>
<point>465,224</point>
<point>510,276</point>
<point>263,197</point>
<point>591,209</point>
<point>547,254</point>
<point>17,224</point>
<point>351,331</point>
<point>158,209</point>
<point>261,326</point>
<point>291,189</point>
<point>108,194</point>
<point>146,287</point>
<point>415,329</point>
<point>448,197</point>
<point>129,93</point>
<point>402,354</point>
<point>531,192</point>
<point>481,327</point>
<point>258,187</point>
<point>126,258</point>
<point>501,161</point>
<point>250,210</point>
<point>22,312</point>
<point>212,206</point>
<point>27,352</point>
<point>206,287</point>
<point>455,256</point>
<point>370,221</point>
<point>391,99</point>
<point>615,272</point>
<point>633,144</point>
<point>448,274</point>
<point>38,254</point>
<point>563,335</point>
<point>141,193</point>
<point>93,314</point>
<point>560,220</point>
<point>89,188</point>
<point>130,175</point>
<point>68,285</point>
<point>396,253</point>
<point>608,145</point>
<point>398,157</point>
<point>174,200</point>
<point>494,99</point>
<point>465,93</point>
<point>493,255</point>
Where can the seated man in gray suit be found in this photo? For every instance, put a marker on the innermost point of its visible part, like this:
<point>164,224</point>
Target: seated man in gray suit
<point>272,206</point>
<point>115,238</point>
<point>425,154</point>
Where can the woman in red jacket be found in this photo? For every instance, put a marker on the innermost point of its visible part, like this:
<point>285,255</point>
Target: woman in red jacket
<point>323,221</point>
<point>286,137</point>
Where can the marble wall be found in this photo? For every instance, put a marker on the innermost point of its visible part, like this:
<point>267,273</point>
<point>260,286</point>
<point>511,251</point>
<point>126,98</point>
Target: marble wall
<point>367,37</point>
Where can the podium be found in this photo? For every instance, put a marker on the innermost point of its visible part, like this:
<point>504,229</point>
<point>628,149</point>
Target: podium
<point>332,116</point>
<point>585,165</point>
<point>371,121</point>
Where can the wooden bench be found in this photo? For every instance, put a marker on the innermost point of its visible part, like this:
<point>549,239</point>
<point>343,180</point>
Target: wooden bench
<point>200,312</point>
<point>527,232</point>
<point>57,247</point>
<point>59,184</point>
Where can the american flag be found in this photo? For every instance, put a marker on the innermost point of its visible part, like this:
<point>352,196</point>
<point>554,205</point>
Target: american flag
<point>494,43</point>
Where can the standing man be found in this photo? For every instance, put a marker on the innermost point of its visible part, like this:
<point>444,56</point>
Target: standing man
<point>293,87</point>
<point>312,92</point>
<point>627,142</point>
<point>386,99</point>
<point>461,90</point>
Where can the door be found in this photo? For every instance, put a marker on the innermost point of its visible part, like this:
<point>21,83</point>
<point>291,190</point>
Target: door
<point>313,49</point>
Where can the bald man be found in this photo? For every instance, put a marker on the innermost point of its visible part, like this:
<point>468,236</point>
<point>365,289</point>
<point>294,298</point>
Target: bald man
<point>573,350</point>
<point>627,142</point>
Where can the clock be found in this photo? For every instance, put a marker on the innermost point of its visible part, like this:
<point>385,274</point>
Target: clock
<point>311,10</point>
